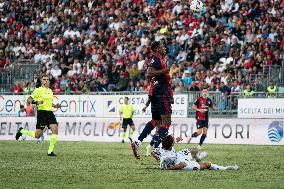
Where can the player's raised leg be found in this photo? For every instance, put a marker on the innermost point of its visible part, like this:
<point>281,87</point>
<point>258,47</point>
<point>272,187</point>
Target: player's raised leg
<point>132,130</point>
<point>33,134</point>
<point>135,145</point>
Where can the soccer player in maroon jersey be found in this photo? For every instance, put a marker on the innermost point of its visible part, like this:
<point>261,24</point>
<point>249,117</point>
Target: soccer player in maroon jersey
<point>161,97</point>
<point>202,105</point>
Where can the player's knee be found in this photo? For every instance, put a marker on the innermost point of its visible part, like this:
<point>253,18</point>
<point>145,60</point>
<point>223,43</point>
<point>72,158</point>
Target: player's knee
<point>165,126</point>
<point>54,129</point>
<point>195,134</point>
<point>37,135</point>
<point>204,132</point>
<point>205,166</point>
<point>154,123</point>
<point>199,132</point>
<point>166,121</point>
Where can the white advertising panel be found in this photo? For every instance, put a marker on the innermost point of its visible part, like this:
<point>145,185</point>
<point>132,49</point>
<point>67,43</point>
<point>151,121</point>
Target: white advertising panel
<point>221,131</point>
<point>71,105</point>
<point>113,103</point>
<point>92,105</point>
<point>261,108</point>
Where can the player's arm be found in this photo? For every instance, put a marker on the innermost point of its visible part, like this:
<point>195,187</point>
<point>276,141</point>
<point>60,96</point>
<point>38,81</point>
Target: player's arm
<point>212,105</point>
<point>132,111</point>
<point>178,166</point>
<point>152,72</point>
<point>194,107</point>
<point>146,105</point>
<point>56,105</point>
<point>35,98</point>
<point>120,112</point>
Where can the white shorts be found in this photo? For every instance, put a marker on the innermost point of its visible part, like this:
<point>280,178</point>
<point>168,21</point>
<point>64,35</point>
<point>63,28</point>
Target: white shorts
<point>192,165</point>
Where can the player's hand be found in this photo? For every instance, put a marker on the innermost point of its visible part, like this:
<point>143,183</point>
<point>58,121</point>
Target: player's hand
<point>194,150</point>
<point>144,109</point>
<point>172,100</point>
<point>57,105</point>
<point>202,110</point>
<point>178,139</point>
<point>40,102</point>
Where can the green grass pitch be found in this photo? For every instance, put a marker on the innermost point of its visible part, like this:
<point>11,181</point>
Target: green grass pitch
<point>25,164</point>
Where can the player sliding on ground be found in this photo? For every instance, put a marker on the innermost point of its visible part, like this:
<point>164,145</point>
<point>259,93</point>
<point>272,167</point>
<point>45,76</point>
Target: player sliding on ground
<point>43,97</point>
<point>184,161</point>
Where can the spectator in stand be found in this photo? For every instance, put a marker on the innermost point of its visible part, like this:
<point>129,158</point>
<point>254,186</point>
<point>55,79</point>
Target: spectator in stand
<point>22,112</point>
<point>187,79</point>
<point>181,87</point>
<point>70,34</point>
<point>225,91</point>
<point>272,90</point>
<point>194,86</point>
<point>17,88</point>
<point>30,110</point>
<point>248,92</point>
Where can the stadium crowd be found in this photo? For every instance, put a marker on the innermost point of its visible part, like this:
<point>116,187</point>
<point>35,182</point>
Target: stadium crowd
<point>89,45</point>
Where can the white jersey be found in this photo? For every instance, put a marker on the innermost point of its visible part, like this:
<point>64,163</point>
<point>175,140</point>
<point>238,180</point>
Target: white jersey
<point>185,153</point>
<point>184,156</point>
<point>167,157</point>
<point>160,152</point>
<point>172,158</point>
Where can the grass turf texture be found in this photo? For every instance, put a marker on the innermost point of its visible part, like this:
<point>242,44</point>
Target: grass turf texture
<point>25,164</point>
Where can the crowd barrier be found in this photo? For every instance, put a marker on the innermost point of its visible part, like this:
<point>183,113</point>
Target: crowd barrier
<point>221,131</point>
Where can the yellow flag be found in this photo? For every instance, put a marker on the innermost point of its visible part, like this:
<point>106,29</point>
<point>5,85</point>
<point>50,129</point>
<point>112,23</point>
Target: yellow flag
<point>114,125</point>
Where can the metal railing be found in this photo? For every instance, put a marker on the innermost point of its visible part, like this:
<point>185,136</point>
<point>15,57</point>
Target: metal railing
<point>274,73</point>
<point>21,70</point>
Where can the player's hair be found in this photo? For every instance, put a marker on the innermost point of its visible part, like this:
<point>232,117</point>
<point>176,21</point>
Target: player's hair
<point>206,87</point>
<point>43,75</point>
<point>126,98</point>
<point>167,142</point>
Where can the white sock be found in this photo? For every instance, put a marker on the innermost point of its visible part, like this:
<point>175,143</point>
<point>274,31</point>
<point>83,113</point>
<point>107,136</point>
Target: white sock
<point>217,167</point>
<point>138,143</point>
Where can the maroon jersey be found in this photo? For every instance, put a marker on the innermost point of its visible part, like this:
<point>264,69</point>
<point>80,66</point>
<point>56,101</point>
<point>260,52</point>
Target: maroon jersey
<point>203,103</point>
<point>162,82</point>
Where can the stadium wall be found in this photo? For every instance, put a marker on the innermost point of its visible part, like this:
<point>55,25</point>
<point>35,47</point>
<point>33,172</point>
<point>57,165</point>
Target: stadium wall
<point>221,131</point>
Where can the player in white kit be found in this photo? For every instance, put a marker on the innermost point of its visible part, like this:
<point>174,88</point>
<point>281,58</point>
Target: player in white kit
<point>184,160</point>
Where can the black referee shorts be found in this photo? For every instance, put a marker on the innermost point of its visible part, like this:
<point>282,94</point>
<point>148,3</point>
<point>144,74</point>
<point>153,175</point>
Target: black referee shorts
<point>45,118</point>
<point>126,122</point>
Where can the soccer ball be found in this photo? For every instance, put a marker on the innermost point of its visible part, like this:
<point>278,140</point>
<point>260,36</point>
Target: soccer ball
<point>196,6</point>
